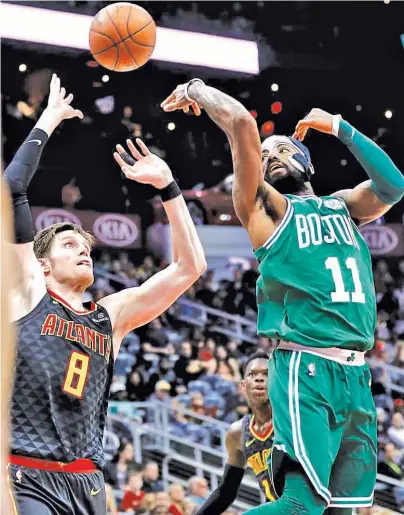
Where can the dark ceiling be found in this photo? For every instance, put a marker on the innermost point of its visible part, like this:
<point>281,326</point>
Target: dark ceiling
<point>333,55</point>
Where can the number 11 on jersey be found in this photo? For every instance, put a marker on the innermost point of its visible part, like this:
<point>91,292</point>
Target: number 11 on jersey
<point>340,294</point>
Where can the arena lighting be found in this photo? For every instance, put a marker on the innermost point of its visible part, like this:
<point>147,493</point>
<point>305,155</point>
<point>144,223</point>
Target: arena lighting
<point>71,30</point>
<point>22,67</point>
<point>105,78</point>
<point>171,126</point>
<point>274,87</point>
<point>276,108</point>
<point>388,114</point>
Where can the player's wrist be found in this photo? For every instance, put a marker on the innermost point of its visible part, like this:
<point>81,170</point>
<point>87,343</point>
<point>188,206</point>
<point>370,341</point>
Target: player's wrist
<point>49,120</point>
<point>164,180</point>
<point>336,121</point>
<point>192,88</point>
<point>170,191</point>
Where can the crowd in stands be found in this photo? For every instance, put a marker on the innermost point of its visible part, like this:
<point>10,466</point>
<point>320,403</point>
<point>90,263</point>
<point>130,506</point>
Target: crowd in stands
<point>200,370</point>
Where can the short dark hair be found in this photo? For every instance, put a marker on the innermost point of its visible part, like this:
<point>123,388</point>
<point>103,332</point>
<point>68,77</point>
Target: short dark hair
<point>43,240</point>
<point>257,355</point>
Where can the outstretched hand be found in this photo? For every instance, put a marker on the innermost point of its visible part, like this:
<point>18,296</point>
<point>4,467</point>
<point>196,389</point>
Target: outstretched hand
<point>59,103</point>
<point>147,169</point>
<point>177,101</point>
<point>316,119</point>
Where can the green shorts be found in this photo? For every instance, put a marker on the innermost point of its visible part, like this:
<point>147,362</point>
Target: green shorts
<point>325,420</point>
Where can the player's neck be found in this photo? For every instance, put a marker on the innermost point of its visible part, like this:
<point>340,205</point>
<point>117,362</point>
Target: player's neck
<point>305,189</point>
<point>72,296</point>
<point>262,415</point>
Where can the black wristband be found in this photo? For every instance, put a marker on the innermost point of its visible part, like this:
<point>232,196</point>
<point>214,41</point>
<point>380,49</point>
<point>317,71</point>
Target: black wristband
<point>169,192</point>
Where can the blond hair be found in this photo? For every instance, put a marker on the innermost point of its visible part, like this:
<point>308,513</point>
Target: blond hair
<point>43,239</point>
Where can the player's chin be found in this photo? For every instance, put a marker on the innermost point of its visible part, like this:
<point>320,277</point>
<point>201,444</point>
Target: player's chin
<point>86,278</point>
<point>259,395</point>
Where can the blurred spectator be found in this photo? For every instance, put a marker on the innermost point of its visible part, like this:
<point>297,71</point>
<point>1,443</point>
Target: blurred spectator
<point>197,490</point>
<point>396,431</point>
<point>162,504</point>
<point>162,393</point>
<point>122,277</point>
<point>190,507</point>
<point>126,264</point>
<point>136,387</point>
<point>71,194</point>
<point>151,481</point>
<point>390,466</point>
<point>117,472</point>
<point>187,369</point>
<point>382,276</point>
<point>148,503</point>
<point>134,494</point>
<point>177,497</point>
<point>157,339</point>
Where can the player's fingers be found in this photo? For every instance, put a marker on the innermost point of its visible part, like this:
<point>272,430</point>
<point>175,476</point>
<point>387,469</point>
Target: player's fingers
<point>62,93</point>
<point>143,147</point>
<point>52,82</point>
<point>196,108</point>
<point>127,158</point>
<point>119,160</point>
<point>185,109</point>
<point>78,113</point>
<point>134,151</point>
<point>168,100</point>
<point>170,107</point>
<point>57,84</point>
<point>69,98</point>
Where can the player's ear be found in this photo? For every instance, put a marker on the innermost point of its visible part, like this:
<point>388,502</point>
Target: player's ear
<point>45,265</point>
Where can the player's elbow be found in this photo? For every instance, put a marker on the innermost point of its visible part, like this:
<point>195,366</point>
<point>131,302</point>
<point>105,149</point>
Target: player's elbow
<point>243,121</point>
<point>192,269</point>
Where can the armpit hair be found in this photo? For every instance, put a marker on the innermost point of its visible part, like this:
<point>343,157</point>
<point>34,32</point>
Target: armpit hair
<point>263,198</point>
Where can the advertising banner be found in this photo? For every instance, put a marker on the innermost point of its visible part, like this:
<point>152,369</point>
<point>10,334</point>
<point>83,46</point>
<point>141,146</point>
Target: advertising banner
<point>384,240</point>
<point>109,229</point>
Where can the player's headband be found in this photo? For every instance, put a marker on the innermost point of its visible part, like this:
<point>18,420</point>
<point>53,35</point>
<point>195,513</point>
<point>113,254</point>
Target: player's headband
<point>300,159</point>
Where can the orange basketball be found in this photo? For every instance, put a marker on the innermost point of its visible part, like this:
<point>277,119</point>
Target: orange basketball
<point>122,37</point>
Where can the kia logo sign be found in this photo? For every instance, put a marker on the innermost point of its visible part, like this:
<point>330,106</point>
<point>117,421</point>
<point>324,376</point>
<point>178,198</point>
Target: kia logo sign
<point>115,230</point>
<point>54,216</point>
<point>380,239</point>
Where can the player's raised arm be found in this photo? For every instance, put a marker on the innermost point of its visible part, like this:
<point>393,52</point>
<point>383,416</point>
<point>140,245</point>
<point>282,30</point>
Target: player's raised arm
<point>372,198</point>
<point>226,493</point>
<point>31,286</point>
<point>134,307</point>
<point>242,132</point>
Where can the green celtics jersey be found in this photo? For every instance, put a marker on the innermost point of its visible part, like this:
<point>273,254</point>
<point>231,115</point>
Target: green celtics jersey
<point>316,283</point>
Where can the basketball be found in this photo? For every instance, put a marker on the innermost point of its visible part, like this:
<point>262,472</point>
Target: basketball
<point>122,37</point>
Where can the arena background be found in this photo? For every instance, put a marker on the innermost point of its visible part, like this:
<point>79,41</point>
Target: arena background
<point>176,381</point>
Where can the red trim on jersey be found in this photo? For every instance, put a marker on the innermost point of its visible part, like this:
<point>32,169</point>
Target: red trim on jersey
<point>261,436</point>
<point>67,305</point>
<point>83,466</point>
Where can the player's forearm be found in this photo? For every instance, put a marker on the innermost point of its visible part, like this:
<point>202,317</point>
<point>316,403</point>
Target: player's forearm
<point>387,180</point>
<point>186,245</point>
<point>48,121</point>
<point>224,110</point>
<point>221,498</point>
<point>19,174</point>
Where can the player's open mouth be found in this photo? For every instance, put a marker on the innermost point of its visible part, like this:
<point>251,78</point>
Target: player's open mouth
<point>276,167</point>
<point>85,263</point>
<point>260,389</point>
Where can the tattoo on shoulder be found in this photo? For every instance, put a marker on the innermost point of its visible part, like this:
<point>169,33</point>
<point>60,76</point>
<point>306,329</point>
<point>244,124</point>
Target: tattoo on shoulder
<point>262,197</point>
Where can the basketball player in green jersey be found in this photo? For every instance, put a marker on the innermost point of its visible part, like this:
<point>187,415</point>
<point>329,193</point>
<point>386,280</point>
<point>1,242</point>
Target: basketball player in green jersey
<point>315,294</point>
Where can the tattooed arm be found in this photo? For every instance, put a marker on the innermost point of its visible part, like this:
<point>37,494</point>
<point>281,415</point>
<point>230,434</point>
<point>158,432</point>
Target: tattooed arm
<point>250,192</point>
